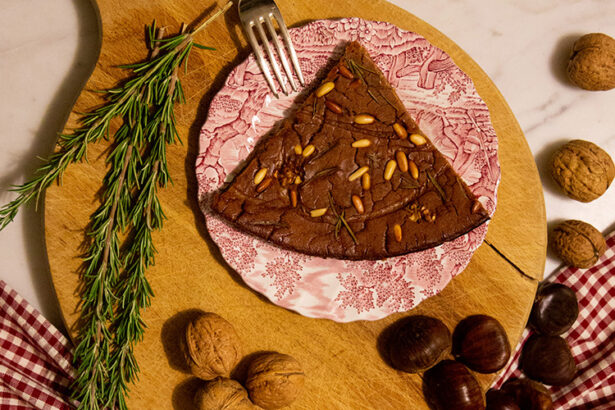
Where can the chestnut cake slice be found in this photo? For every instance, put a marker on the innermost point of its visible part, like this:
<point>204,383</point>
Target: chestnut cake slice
<point>349,175</point>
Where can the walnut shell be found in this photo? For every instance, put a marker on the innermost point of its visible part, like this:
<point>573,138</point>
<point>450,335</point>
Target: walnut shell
<point>274,380</point>
<point>592,62</point>
<point>223,394</point>
<point>582,169</point>
<point>578,243</point>
<point>211,346</point>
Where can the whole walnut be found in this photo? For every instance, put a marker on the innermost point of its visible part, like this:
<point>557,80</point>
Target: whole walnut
<point>592,62</point>
<point>582,169</point>
<point>578,243</point>
<point>211,346</point>
<point>274,380</point>
<point>223,394</point>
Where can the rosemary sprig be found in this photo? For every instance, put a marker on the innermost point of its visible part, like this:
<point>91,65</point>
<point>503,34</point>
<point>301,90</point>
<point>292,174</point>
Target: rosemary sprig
<point>109,348</point>
<point>350,232</point>
<point>103,266</point>
<point>435,183</point>
<point>133,290</point>
<point>71,148</point>
<point>387,100</point>
<point>321,173</point>
<point>326,171</point>
<point>338,226</point>
<point>357,70</point>
<point>341,221</point>
<point>371,94</point>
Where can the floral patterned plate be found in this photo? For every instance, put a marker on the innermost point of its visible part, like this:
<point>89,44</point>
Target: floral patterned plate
<point>443,101</point>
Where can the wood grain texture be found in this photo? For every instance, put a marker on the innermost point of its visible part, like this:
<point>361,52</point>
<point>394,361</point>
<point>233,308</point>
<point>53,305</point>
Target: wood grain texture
<point>343,362</point>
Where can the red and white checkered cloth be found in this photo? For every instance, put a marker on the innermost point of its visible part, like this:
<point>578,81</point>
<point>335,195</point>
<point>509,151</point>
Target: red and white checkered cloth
<point>35,358</point>
<point>591,339</point>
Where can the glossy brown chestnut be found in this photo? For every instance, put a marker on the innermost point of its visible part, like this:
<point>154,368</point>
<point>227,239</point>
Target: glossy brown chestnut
<point>528,394</point>
<point>418,342</point>
<point>480,342</point>
<point>498,400</point>
<point>548,359</point>
<point>450,385</point>
<point>555,309</point>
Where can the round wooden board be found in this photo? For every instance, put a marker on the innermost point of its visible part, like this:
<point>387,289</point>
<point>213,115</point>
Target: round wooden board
<point>342,361</point>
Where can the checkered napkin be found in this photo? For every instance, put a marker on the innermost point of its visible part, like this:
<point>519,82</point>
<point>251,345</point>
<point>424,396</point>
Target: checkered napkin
<point>591,339</point>
<point>35,358</point>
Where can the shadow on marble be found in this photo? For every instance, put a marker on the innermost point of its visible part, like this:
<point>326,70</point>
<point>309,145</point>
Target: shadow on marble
<point>543,163</point>
<point>560,57</point>
<point>51,123</point>
<point>551,225</point>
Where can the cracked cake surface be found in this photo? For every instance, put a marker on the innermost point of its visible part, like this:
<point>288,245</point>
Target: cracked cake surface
<point>349,175</point>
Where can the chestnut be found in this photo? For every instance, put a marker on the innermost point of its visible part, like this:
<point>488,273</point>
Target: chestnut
<point>418,342</point>
<point>498,400</point>
<point>450,385</point>
<point>548,359</point>
<point>480,342</point>
<point>555,309</point>
<point>528,394</point>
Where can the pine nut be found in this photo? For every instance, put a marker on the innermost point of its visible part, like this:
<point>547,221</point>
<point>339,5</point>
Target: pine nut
<point>364,119</point>
<point>475,207</point>
<point>315,213</point>
<point>345,72</point>
<point>354,84</point>
<point>397,232</point>
<point>293,198</point>
<point>298,149</point>
<point>362,143</point>
<point>308,150</point>
<point>400,130</point>
<point>366,182</point>
<point>333,107</point>
<point>402,161</point>
<point>417,139</point>
<point>264,185</point>
<point>414,171</point>
<point>358,204</point>
<point>325,89</point>
<point>389,169</point>
<point>358,173</point>
<point>260,175</point>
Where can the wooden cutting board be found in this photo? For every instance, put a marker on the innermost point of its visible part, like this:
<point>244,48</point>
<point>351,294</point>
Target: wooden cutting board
<point>342,361</point>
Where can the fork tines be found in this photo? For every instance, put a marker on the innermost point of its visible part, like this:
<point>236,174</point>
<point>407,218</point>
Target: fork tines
<point>256,13</point>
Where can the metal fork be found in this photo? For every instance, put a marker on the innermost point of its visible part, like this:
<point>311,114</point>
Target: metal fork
<point>253,14</point>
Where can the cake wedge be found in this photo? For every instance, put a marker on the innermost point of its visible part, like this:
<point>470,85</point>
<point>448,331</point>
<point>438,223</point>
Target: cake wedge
<point>349,175</point>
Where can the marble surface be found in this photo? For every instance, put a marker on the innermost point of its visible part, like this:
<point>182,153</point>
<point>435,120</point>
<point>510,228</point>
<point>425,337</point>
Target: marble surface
<point>49,48</point>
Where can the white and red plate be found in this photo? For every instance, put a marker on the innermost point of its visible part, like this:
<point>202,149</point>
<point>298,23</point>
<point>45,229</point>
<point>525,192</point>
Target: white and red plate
<point>443,101</point>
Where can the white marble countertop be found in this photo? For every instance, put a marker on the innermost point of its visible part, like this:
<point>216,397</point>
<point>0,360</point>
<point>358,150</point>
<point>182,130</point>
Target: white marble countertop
<point>49,47</point>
